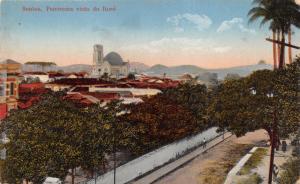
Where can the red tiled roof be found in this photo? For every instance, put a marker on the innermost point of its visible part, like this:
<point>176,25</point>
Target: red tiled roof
<point>32,85</point>
<point>103,96</point>
<point>80,81</point>
<point>35,88</point>
<point>76,74</point>
<point>3,111</point>
<point>80,89</point>
<point>29,103</point>
<point>53,75</point>
<point>35,73</point>
<point>79,99</point>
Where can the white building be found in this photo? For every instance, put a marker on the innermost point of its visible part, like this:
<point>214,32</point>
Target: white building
<point>112,64</point>
<point>41,76</point>
<point>136,92</point>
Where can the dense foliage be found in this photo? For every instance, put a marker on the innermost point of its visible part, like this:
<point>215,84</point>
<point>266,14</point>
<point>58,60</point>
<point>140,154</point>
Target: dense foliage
<point>53,136</point>
<point>192,97</point>
<point>290,171</point>
<point>158,121</point>
<point>245,104</point>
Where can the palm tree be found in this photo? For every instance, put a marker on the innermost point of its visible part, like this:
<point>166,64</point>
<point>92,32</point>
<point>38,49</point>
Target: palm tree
<point>275,33</point>
<point>265,10</point>
<point>281,14</point>
<point>293,20</point>
<point>290,16</point>
<point>288,12</point>
<point>290,42</point>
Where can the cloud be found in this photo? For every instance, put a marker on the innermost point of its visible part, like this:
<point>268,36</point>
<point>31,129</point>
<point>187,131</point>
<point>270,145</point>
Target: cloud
<point>228,24</point>
<point>235,22</point>
<point>222,49</point>
<point>246,30</point>
<point>201,22</point>
<point>179,29</point>
<point>178,45</point>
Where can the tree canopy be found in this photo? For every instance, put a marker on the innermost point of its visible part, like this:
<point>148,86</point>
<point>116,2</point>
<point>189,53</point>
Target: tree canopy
<point>41,63</point>
<point>192,97</point>
<point>156,122</point>
<point>54,136</point>
<point>250,103</point>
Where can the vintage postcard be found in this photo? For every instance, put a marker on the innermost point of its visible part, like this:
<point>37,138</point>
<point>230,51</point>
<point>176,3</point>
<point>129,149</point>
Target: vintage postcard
<point>149,91</point>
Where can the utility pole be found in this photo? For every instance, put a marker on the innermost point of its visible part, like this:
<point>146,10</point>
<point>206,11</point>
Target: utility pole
<point>274,133</point>
<point>274,142</point>
<point>114,149</point>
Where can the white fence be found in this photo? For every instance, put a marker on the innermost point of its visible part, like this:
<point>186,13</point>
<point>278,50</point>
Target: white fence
<point>158,157</point>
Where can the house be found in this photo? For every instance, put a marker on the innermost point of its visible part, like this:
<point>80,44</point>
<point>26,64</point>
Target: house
<point>75,75</point>
<point>55,76</point>
<point>29,94</point>
<point>41,76</point>
<point>3,110</point>
<point>9,82</point>
<point>68,83</point>
<point>136,92</point>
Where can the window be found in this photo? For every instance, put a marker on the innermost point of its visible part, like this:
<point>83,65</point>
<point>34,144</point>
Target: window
<point>12,86</point>
<point>2,90</point>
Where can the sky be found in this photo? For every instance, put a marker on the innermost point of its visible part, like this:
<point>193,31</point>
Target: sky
<point>206,33</point>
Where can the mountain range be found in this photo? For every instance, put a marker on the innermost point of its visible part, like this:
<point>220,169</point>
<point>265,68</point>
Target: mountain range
<point>195,70</point>
<point>158,69</point>
<point>67,69</point>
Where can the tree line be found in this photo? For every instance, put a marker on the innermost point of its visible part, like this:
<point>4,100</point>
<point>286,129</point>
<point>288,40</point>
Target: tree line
<point>55,135</point>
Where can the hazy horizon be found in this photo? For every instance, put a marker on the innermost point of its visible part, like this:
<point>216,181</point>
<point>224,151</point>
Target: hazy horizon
<point>207,33</point>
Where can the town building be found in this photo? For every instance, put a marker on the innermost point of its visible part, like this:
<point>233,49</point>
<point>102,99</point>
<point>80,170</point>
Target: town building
<point>29,94</point>
<point>69,83</point>
<point>136,92</point>
<point>36,76</point>
<point>112,65</point>
<point>9,82</point>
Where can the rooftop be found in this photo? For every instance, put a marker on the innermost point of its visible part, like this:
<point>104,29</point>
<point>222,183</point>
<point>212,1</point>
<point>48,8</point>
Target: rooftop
<point>9,61</point>
<point>114,59</point>
<point>80,81</point>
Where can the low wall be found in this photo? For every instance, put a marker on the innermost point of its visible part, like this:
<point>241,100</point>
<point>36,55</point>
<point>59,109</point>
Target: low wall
<point>156,158</point>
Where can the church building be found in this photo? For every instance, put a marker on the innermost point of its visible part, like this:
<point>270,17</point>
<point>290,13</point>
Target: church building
<point>111,65</point>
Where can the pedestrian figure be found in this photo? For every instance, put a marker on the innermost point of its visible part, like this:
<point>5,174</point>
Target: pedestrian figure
<point>284,146</point>
<point>275,171</point>
<point>204,143</point>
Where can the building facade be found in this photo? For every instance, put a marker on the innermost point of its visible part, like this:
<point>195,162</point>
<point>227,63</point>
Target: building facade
<point>9,82</point>
<point>112,65</point>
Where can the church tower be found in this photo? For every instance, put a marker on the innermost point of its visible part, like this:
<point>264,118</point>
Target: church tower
<point>98,54</point>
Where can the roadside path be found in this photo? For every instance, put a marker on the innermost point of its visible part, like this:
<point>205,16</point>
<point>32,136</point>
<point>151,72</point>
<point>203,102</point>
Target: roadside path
<point>163,171</point>
<point>194,171</point>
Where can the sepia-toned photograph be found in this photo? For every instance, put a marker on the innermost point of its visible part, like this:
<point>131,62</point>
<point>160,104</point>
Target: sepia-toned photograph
<point>149,91</point>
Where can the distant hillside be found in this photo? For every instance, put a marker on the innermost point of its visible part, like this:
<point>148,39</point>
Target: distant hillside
<point>138,67</point>
<point>174,70</point>
<point>191,69</point>
<point>134,66</point>
<point>157,69</point>
<point>240,70</point>
<point>76,68</point>
<point>66,69</point>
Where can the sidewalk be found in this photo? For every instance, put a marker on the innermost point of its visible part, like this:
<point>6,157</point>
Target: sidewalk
<point>163,171</point>
<point>279,159</point>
